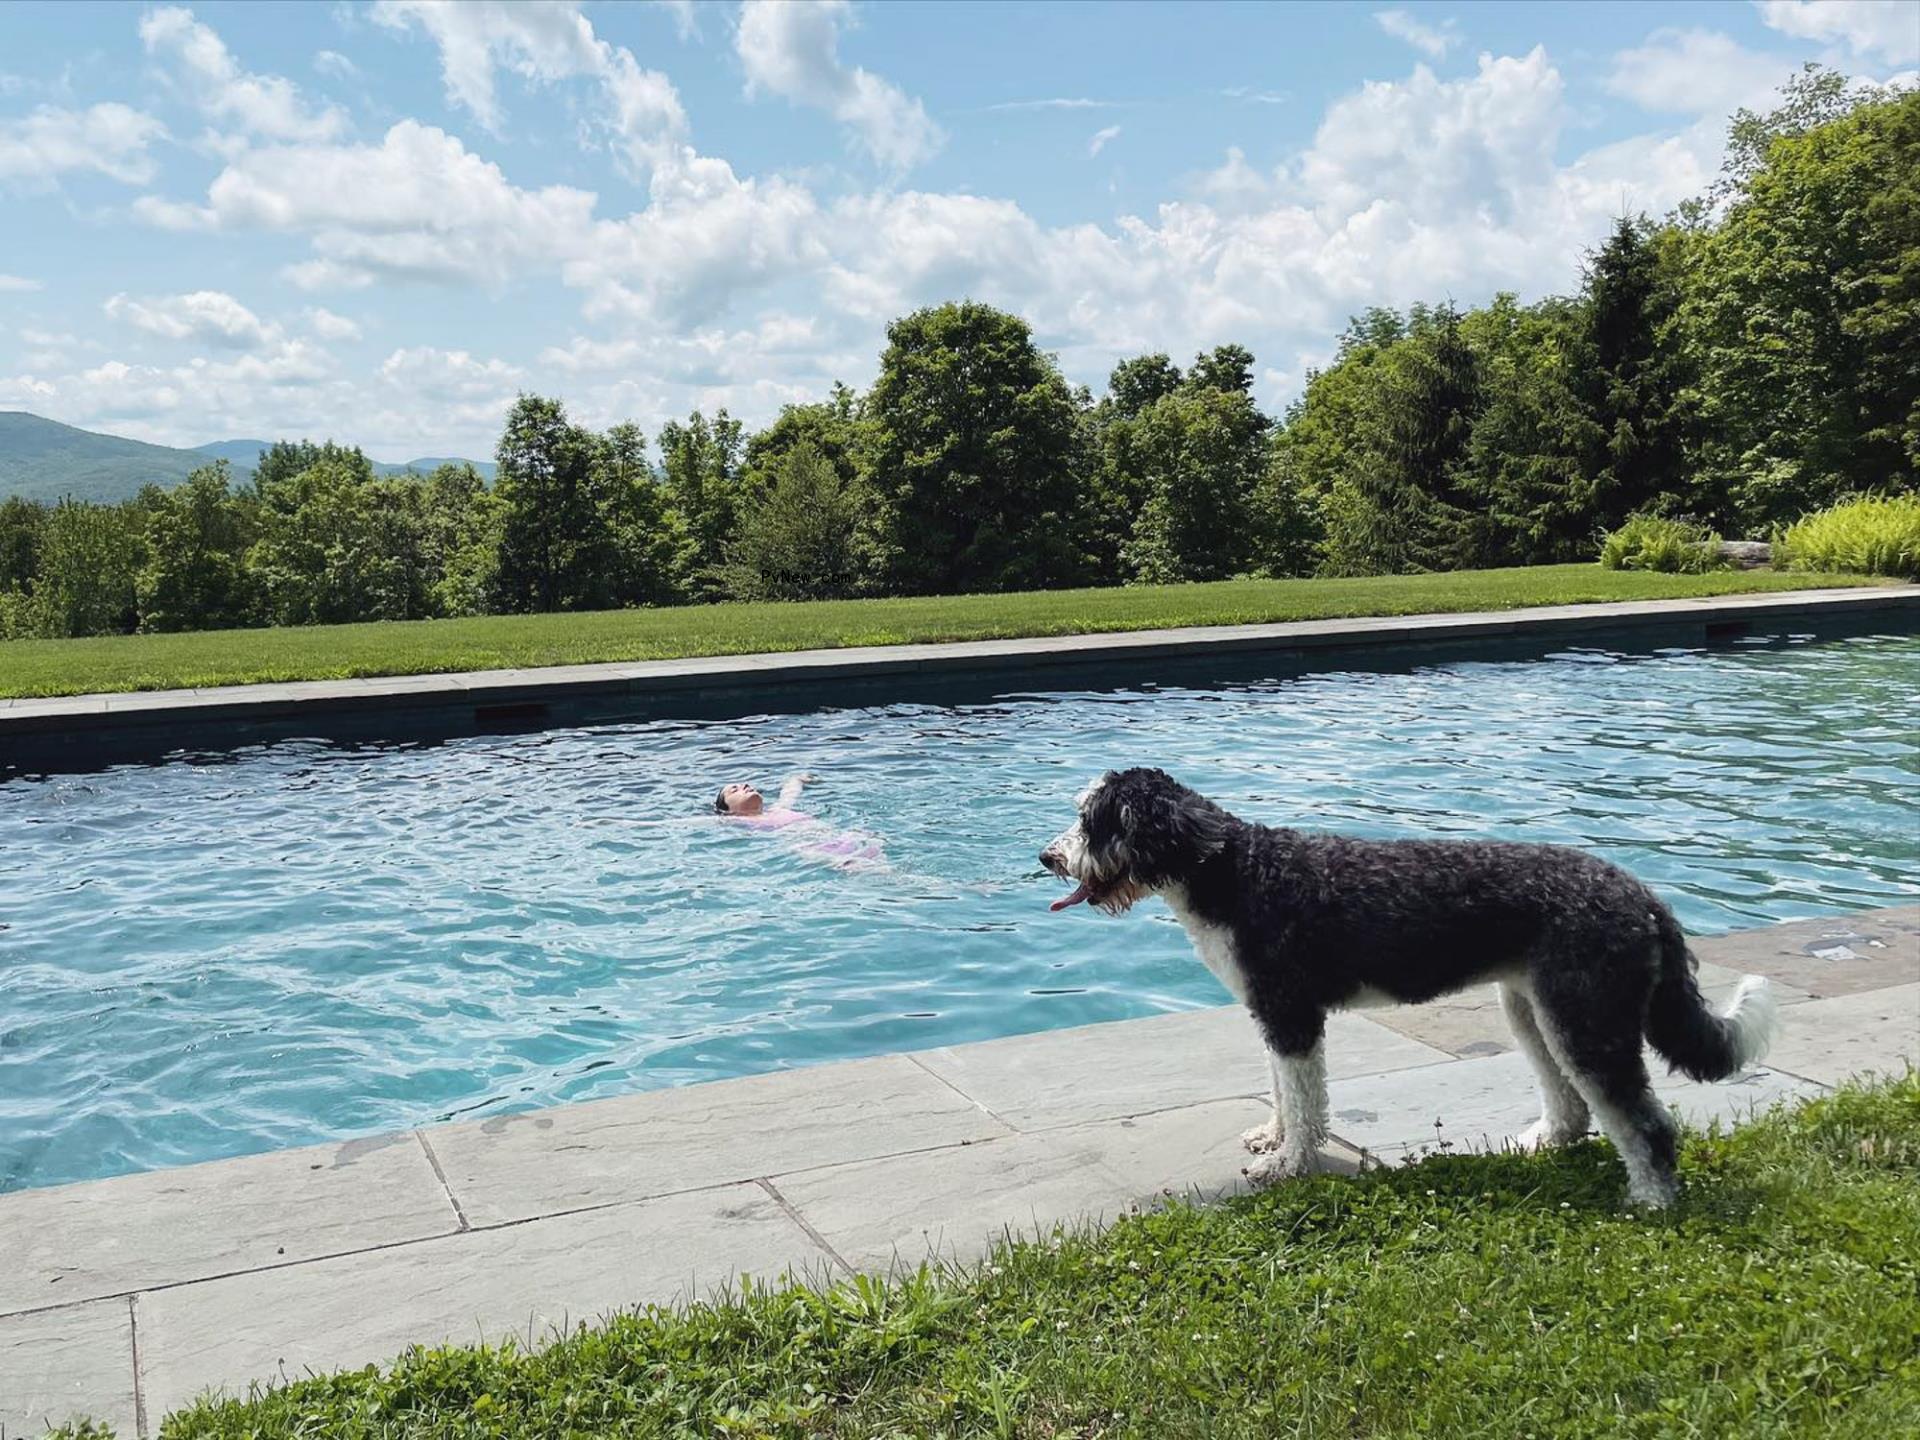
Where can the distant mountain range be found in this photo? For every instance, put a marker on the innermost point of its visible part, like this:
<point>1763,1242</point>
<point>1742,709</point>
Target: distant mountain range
<point>45,460</point>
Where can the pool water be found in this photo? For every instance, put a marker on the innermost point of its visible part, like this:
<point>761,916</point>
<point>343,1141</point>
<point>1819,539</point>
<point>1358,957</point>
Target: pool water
<point>303,942</point>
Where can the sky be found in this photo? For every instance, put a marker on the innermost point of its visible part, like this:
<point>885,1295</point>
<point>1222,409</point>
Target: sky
<point>380,222</point>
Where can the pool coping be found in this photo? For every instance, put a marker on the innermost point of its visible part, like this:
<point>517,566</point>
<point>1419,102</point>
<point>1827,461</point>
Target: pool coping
<point>67,731</point>
<point>138,1293</point>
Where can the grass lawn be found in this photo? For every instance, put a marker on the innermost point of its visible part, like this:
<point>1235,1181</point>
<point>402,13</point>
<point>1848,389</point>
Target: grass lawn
<point>1468,1296</point>
<point>325,652</point>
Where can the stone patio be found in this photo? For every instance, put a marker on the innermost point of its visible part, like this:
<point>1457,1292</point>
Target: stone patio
<point>126,1298</point>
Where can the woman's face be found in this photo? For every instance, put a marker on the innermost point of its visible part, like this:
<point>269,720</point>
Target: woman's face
<point>742,799</point>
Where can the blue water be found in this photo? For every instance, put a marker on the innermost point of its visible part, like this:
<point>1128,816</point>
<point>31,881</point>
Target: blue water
<point>306,942</point>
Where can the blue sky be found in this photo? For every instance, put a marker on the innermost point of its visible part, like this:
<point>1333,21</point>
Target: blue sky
<point>380,221</point>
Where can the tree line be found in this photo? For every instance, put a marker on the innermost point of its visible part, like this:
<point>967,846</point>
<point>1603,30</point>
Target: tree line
<point>1750,357</point>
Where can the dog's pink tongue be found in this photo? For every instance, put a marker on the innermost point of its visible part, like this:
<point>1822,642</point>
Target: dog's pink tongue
<point>1079,894</point>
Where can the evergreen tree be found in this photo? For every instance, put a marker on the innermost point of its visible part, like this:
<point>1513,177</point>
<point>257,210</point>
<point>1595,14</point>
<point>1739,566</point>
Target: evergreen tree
<point>700,466</point>
<point>554,541</point>
<point>1631,377</point>
<point>1407,508</point>
<point>801,542</point>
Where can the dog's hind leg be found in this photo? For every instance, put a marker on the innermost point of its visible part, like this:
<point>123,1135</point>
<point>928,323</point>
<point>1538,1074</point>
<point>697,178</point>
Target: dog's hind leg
<point>1267,1136</point>
<point>1606,1066</point>
<point>1563,1113</point>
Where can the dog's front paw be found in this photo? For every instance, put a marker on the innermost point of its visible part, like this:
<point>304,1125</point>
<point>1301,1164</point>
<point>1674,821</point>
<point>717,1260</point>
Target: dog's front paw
<point>1276,1165</point>
<point>1262,1138</point>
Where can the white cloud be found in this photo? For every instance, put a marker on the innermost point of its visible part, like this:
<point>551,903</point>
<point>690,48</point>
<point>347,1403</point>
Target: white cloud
<point>1065,102</point>
<point>416,205</point>
<point>212,317</point>
<point>1255,97</point>
<point>326,275</point>
<point>289,390</point>
<point>544,44</point>
<point>686,23</point>
<point>1101,138</point>
<point>448,373</point>
<point>791,49</point>
<point>1423,37</point>
<point>1696,72</point>
<point>329,326</point>
<point>264,105</point>
<point>332,62</point>
<point>1415,189</point>
<point>705,238</point>
<point>16,284</point>
<point>109,139</point>
<point>1889,29</point>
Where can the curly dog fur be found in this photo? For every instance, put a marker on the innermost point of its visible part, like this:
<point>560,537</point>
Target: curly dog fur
<point>1588,960</point>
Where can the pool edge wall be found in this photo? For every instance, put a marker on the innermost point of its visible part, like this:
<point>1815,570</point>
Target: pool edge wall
<point>85,732</point>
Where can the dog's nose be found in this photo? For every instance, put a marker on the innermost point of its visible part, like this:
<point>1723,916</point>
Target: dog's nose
<point>1048,859</point>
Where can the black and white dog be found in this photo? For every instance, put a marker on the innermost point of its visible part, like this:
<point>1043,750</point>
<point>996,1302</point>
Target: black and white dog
<point>1588,960</point>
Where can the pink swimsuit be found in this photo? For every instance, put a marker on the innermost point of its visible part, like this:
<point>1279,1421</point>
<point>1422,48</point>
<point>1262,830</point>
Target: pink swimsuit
<point>831,847</point>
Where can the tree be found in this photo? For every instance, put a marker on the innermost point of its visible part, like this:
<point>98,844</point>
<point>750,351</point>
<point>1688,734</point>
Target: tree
<point>801,542</point>
<point>88,557</point>
<point>1137,383</point>
<point>195,575</point>
<point>1630,377</point>
<point>652,551</point>
<point>23,526</point>
<point>1801,313</point>
<point>1403,506</point>
<point>1198,456</point>
<point>460,534</point>
<point>284,459</point>
<point>973,455</point>
<point>554,540</point>
<point>1535,450</point>
<point>332,548</point>
<point>700,466</point>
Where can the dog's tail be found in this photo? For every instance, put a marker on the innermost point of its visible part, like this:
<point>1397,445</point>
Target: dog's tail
<point>1698,1043</point>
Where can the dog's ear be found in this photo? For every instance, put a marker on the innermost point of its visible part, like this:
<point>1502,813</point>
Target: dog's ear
<point>1193,826</point>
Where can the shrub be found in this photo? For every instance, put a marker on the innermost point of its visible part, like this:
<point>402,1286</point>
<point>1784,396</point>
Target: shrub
<point>1659,542</point>
<point>1872,535</point>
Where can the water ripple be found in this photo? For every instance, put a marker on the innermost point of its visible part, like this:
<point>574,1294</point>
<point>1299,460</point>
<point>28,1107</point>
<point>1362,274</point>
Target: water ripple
<point>301,942</point>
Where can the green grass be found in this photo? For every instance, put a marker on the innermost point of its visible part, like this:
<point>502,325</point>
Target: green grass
<point>323,652</point>
<point>1468,1296</point>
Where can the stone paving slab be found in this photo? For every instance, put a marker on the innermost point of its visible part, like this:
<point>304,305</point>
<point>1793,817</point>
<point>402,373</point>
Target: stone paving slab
<point>1471,1023</point>
<point>881,1161</point>
<point>519,1281</point>
<point>1095,1072</point>
<point>67,1364</point>
<point>133,1232</point>
<point>952,1204</point>
<point>1484,1103</point>
<point>1837,955</point>
<point>634,1146</point>
<point>1828,1040</point>
<point>1193,1153</point>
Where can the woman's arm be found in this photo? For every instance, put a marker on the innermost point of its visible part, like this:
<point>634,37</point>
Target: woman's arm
<point>790,791</point>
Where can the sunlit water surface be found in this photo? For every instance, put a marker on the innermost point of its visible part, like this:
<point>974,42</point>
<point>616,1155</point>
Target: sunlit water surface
<point>304,942</point>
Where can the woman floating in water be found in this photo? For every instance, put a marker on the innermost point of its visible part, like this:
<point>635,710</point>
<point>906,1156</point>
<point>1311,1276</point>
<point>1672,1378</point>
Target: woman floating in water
<point>741,803</point>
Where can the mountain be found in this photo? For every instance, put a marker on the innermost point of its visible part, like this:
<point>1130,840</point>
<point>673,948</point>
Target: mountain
<point>45,460</point>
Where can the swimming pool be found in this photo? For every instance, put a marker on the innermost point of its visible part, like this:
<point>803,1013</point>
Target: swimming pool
<point>303,941</point>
